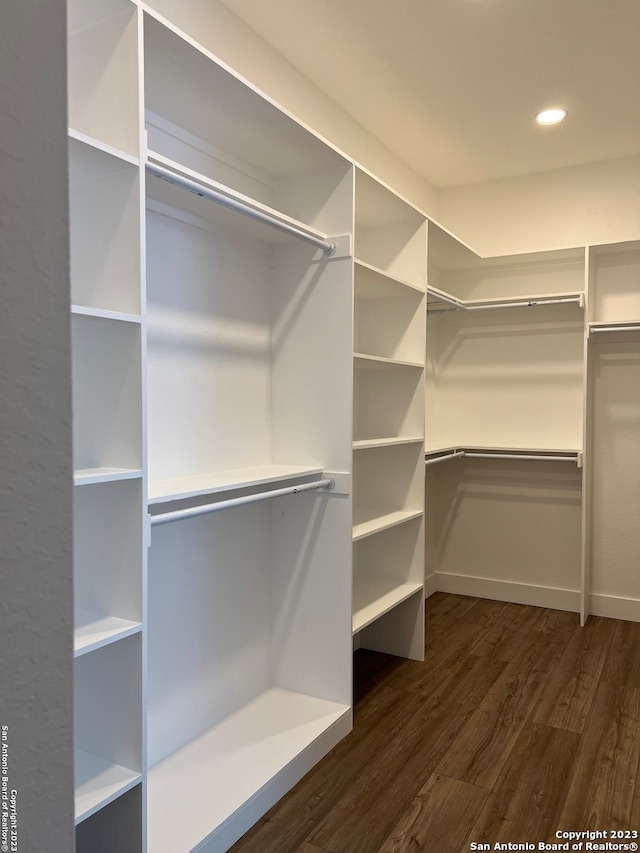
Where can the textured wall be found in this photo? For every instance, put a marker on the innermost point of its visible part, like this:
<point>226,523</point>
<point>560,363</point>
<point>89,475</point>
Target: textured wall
<point>35,433</point>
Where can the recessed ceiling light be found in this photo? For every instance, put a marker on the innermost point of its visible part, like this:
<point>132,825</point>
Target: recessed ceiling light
<point>552,116</point>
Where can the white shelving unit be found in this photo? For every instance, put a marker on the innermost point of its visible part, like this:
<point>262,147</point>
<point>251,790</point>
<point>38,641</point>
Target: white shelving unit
<point>505,402</point>
<point>249,341</point>
<point>107,341</point>
<point>388,437</point>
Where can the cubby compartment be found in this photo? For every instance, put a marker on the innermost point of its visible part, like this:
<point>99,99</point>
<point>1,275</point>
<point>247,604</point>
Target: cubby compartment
<point>107,724</point>
<point>510,378</point>
<point>506,529</point>
<point>388,487</point>
<point>248,678</point>
<point>389,316</point>
<point>108,559</point>
<point>105,230</point>
<point>107,407</point>
<point>103,72</point>
<point>390,235</point>
<point>388,403</point>
<point>232,136</point>
<point>615,283</point>
<point>388,568</point>
<point>245,342</point>
<point>117,828</point>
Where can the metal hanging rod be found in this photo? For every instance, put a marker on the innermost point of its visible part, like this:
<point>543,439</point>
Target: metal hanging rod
<point>538,457</point>
<point>472,454</point>
<point>445,458</point>
<point>460,304</point>
<point>220,197</point>
<point>327,483</point>
<point>630,328</point>
<point>530,303</point>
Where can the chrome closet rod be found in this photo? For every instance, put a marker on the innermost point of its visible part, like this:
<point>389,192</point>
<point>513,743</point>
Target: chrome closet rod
<point>175,515</point>
<point>634,328</point>
<point>445,458</point>
<point>327,246</point>
<point>527,456</point>
<point>531,303</point>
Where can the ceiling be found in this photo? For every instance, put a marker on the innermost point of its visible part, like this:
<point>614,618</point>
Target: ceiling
<point>452,86</point>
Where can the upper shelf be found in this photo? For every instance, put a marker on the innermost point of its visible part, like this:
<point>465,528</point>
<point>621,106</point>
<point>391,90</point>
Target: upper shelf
<point>440,301</point>
<point>182,488</point>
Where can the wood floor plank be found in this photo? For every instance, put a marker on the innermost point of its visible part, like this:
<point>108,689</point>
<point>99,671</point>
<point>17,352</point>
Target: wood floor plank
<point>622,665</point>
<point>394,778</point>
<point>603,782</point>
<point>529,795</point>
<point>505,632</point>
<point>481,750</point>
<point>566,698</point>
<point>440,817</point>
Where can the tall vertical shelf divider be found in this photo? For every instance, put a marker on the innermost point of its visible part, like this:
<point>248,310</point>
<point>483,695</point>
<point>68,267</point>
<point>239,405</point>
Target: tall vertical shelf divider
<point>249,392</point>
<point>107,340</point>
<point>388,439</point>
<point>613,486</point>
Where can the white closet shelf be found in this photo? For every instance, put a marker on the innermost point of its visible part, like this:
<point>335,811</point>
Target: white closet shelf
<point>98,783</point>
<point>105,314</point>
<point>85,139</point>
<point>373,598</point>
<point>181,488</point>
<point>89,476</point>
<point>381,284</point>
<point>95,630</point>
<point>460,451</point>
<point>434,449</point>
<point>365,443</point>
<point>376,362</point>
<point>207,781</point>
<point>371,521</point>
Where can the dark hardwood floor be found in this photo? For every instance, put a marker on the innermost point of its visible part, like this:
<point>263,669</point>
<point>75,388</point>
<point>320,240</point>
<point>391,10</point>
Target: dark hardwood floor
<point>518,724</point>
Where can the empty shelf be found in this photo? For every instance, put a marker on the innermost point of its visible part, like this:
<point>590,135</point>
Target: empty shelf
<point>373,598</point>
<point>375,521</point>
<point>99,782</point>
<point>94,630</point>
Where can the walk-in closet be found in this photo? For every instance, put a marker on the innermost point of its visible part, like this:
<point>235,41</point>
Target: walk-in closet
<point>301,406</point>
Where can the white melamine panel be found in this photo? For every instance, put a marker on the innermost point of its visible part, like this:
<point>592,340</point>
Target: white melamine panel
<point>209,351</point>
<point>511,522</point>
<point>506,378</point>
<point>615,283</point>
<point>103,71</point>
<point>388,568</point>
<point>389,317</point>
<point>211,791</point>
<point>388,401</point>
<point>117,828</point>
<point>107,409</point>
<point>615,461</point>
<point>387,480</point>
<point>105,230</point>
<point>249,144</point>
<point>311,356</point>
<point>399,631</point>
<point>107,559</point>
<point>107,723</point>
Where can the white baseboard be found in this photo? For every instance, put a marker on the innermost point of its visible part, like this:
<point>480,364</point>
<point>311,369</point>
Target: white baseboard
<point>615,607</point>
<point>518,593</point>
<point>430,585</point>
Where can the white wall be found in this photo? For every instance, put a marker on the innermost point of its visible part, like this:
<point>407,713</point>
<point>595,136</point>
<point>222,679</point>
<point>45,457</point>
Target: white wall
<point>215,27</point>
<point>35,432</point>
<point>597,203</point>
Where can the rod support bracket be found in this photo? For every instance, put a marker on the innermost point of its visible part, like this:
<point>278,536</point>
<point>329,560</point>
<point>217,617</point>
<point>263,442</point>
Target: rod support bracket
<point>331,249</point>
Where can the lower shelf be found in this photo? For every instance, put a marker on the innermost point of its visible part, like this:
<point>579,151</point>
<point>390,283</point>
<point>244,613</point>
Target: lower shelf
<point>93,631</point>
<point>196,794</point>
<point>375,597</point>
<point>98,783</point>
